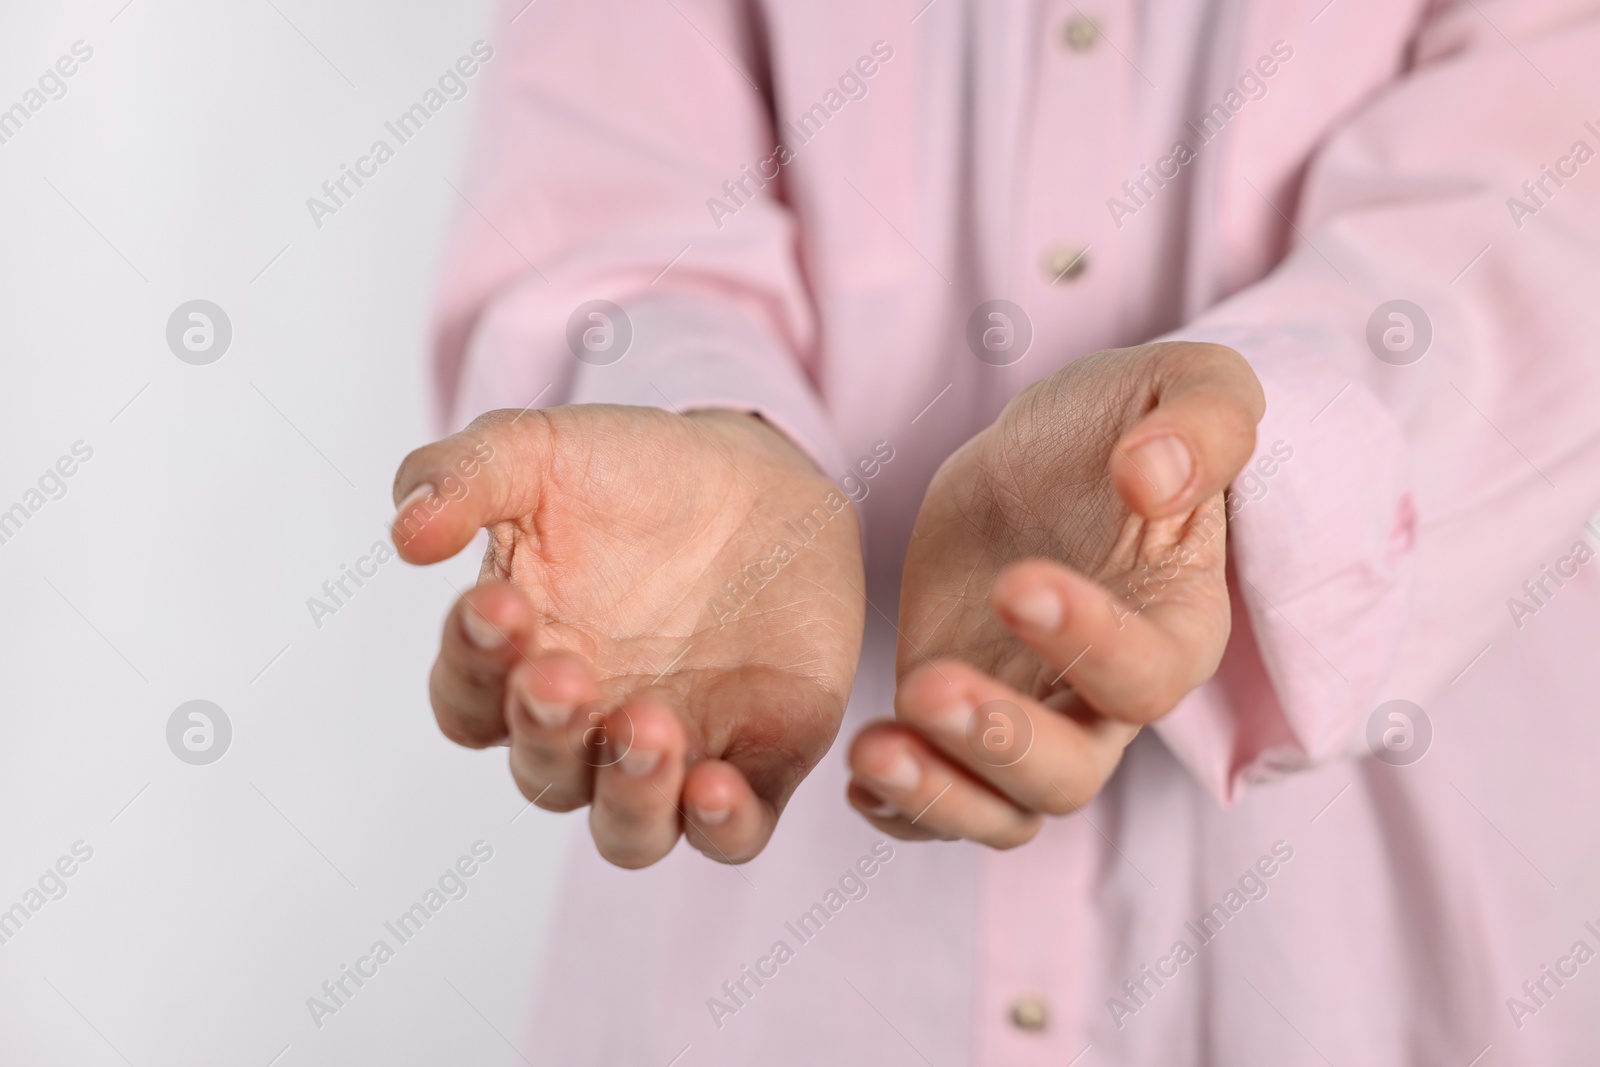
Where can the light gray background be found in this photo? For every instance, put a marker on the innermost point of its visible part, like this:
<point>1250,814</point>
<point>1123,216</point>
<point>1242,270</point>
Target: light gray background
<point>178,564</point>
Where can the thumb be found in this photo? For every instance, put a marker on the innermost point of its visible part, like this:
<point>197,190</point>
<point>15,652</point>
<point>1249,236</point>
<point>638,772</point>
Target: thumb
<point>490,472</point>
<point>1198,436</point>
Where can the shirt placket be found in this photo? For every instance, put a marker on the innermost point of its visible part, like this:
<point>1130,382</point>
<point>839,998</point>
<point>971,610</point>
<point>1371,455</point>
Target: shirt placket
<point>1035,900</point>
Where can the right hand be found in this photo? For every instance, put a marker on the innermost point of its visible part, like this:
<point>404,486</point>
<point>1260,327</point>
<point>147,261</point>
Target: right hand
<point>1066,584</point>
<point>667,622</point>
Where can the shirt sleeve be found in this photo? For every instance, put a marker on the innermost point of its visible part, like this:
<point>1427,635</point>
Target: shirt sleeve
<point>1412,471</point>
<point>609,126</point>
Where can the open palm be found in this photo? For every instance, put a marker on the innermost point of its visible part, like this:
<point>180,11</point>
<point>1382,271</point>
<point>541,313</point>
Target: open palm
<point>668,618</point>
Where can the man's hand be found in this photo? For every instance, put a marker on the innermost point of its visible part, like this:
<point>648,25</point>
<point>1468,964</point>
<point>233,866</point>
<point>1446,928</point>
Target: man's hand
<point>667,622</point>
<point>1065,584</point>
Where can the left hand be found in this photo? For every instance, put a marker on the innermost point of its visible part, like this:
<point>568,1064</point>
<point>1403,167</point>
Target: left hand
<point>1065,584</point>
<point>667,623</point>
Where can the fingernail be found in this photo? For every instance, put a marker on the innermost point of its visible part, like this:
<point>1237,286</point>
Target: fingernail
<point>1040,609</point>
<point>545,713</point>
<point>480,631</point>
<point>638,762</point>
<point>1166,462</point>
<point>711,816</point>
<point>902,775</point>
<point>413,498</point>
<point>957,718</point>
<point>878,806</point>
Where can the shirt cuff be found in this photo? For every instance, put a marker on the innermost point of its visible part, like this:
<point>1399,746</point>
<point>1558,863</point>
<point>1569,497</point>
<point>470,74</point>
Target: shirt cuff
<point>675,351</point>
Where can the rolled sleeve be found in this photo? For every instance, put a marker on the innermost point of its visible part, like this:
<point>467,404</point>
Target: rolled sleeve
<point>1322,543</point>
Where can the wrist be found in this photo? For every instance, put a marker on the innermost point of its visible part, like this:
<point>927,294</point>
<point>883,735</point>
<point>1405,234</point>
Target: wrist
<point>748,422</point>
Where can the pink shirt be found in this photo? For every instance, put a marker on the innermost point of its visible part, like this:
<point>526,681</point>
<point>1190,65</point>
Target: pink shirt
<point>1253,887</point>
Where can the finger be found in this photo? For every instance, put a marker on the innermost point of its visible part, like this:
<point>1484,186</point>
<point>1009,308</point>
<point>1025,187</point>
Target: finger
<point>490,472</point>
<point>634,817</point>
<point>484,636</point>
<point>1039,758</point>
<point>1200,434</point>
<point>547,751</point>
<point>887,817</point>
<point>907,788</point>
<point>724,818</point>
<point>1123,662</point>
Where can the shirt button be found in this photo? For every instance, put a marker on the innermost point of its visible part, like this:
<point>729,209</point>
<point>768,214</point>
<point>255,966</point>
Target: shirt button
<point>1080,34</point>
<point>1028,1013</point>
<point>1064,263</point>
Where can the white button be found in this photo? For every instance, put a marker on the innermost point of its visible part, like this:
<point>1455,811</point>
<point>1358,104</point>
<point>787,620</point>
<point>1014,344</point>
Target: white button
<point>1028,1013</point>
<point>1064,263</point>
<point>1080,34</point>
